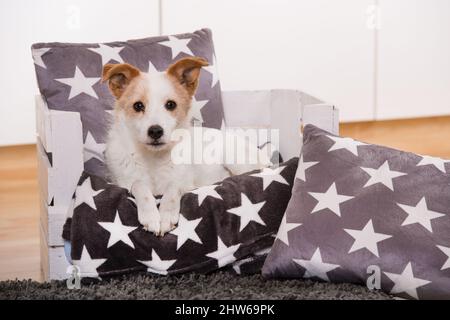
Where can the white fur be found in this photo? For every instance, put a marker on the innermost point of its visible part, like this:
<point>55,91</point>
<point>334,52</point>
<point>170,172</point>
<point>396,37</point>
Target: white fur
<point>147,171</point>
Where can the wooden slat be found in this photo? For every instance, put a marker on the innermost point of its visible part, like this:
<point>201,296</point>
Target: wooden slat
<point>45,263</point>
<point>59,133</point>
<point>43,123</point>
<point>277,109</point>
<point>247,109</point>
<point>324,116</point>
<point>285,117</point>
<point>45,173</point>
<point>52,217</point>
<point>53,260</point>
<point>52,223</point>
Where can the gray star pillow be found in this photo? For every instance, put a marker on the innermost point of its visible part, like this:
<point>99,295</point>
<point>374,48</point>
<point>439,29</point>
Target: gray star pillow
<point>366,214</point>
<point>69,79</point>
<point>233,221</point>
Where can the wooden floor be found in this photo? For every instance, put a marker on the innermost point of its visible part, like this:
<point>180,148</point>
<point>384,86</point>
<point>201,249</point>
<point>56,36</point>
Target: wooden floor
<point>19,213</point>
<point>430,136</point>
<point>19,206</point>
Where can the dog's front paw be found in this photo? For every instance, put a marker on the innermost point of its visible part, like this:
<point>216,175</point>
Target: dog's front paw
<point>174,218</point>
<point>151,221</point>
<point>169,220</point>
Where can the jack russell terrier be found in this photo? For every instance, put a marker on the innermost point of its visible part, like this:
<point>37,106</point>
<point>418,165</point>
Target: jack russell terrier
<point>149,108</point>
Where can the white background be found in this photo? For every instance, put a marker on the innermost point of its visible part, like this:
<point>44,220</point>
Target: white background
<point>374,59</point>
<point>24,22</point>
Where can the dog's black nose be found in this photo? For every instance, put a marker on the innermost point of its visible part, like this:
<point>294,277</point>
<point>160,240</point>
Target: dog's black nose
<point>155,132</point>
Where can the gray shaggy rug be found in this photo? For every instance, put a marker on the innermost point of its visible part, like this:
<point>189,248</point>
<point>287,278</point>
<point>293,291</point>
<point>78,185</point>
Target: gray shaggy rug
<point>219,285</point>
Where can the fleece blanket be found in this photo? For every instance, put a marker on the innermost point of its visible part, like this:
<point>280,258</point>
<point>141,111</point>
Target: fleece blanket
<point>229,224</point>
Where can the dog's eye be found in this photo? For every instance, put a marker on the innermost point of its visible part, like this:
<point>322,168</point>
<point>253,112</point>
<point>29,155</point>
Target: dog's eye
<point>170,105</point>
<point>138,106</point>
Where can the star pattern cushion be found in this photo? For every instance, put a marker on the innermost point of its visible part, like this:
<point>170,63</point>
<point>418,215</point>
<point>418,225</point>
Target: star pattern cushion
<point>366,214</point>
<point>69,79</point>
<point>234,221</point>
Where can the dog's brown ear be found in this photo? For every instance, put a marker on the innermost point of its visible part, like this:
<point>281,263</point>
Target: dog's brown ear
<point>187,71</point>
<point>119,77</point>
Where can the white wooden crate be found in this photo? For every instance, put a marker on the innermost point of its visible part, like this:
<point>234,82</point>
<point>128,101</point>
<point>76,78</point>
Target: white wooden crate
<point>60,163</point>
<point>60,152</point>
<point>53,260</point>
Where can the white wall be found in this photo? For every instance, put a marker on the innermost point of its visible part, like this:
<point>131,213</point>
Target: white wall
<point>414,58</point>
<point>374,59</point>
<point>322,47</point>
<point>23,22</point>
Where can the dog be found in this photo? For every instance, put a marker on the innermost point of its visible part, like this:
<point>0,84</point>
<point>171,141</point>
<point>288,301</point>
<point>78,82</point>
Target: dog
<point>149,107</point>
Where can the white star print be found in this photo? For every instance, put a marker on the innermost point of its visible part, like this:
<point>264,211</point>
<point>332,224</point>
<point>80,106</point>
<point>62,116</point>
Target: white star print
<point>366,238</point>
<point>285,227</point>
<point>212,68</point>
<point>224,255</point>
<point>263,251</point>
<point>108,53</point>
<point>151,67</point>
<point>446,251</point>
<point>302,167</point>
<point>88,266</point>
<point>186,230</point>
<point>329,199</point>
<point>316,267</point>
<point>270,175</point>
<point>132,200</point>
<point>37,56</point>
<point>420,214</point>
<point>118,231</point>
<point>382,175</point>
<point>206,191</point>
<point>93,149</point>
<point>156,265</point>
<point>248,211</point>
<point>80,84</point>
<point>437,162</point>
<point>85,194</point>
<point>110,112</point>
<point>177,46</point>
<point>197,106</point>
<point>406,282</point>
<point>237,265</point>
<point>345,143</point>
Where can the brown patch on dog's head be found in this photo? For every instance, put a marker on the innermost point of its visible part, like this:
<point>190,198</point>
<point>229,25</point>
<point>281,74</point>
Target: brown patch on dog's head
<point>119,77</point>
<point>186,72</point>
<point>183,100</point>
